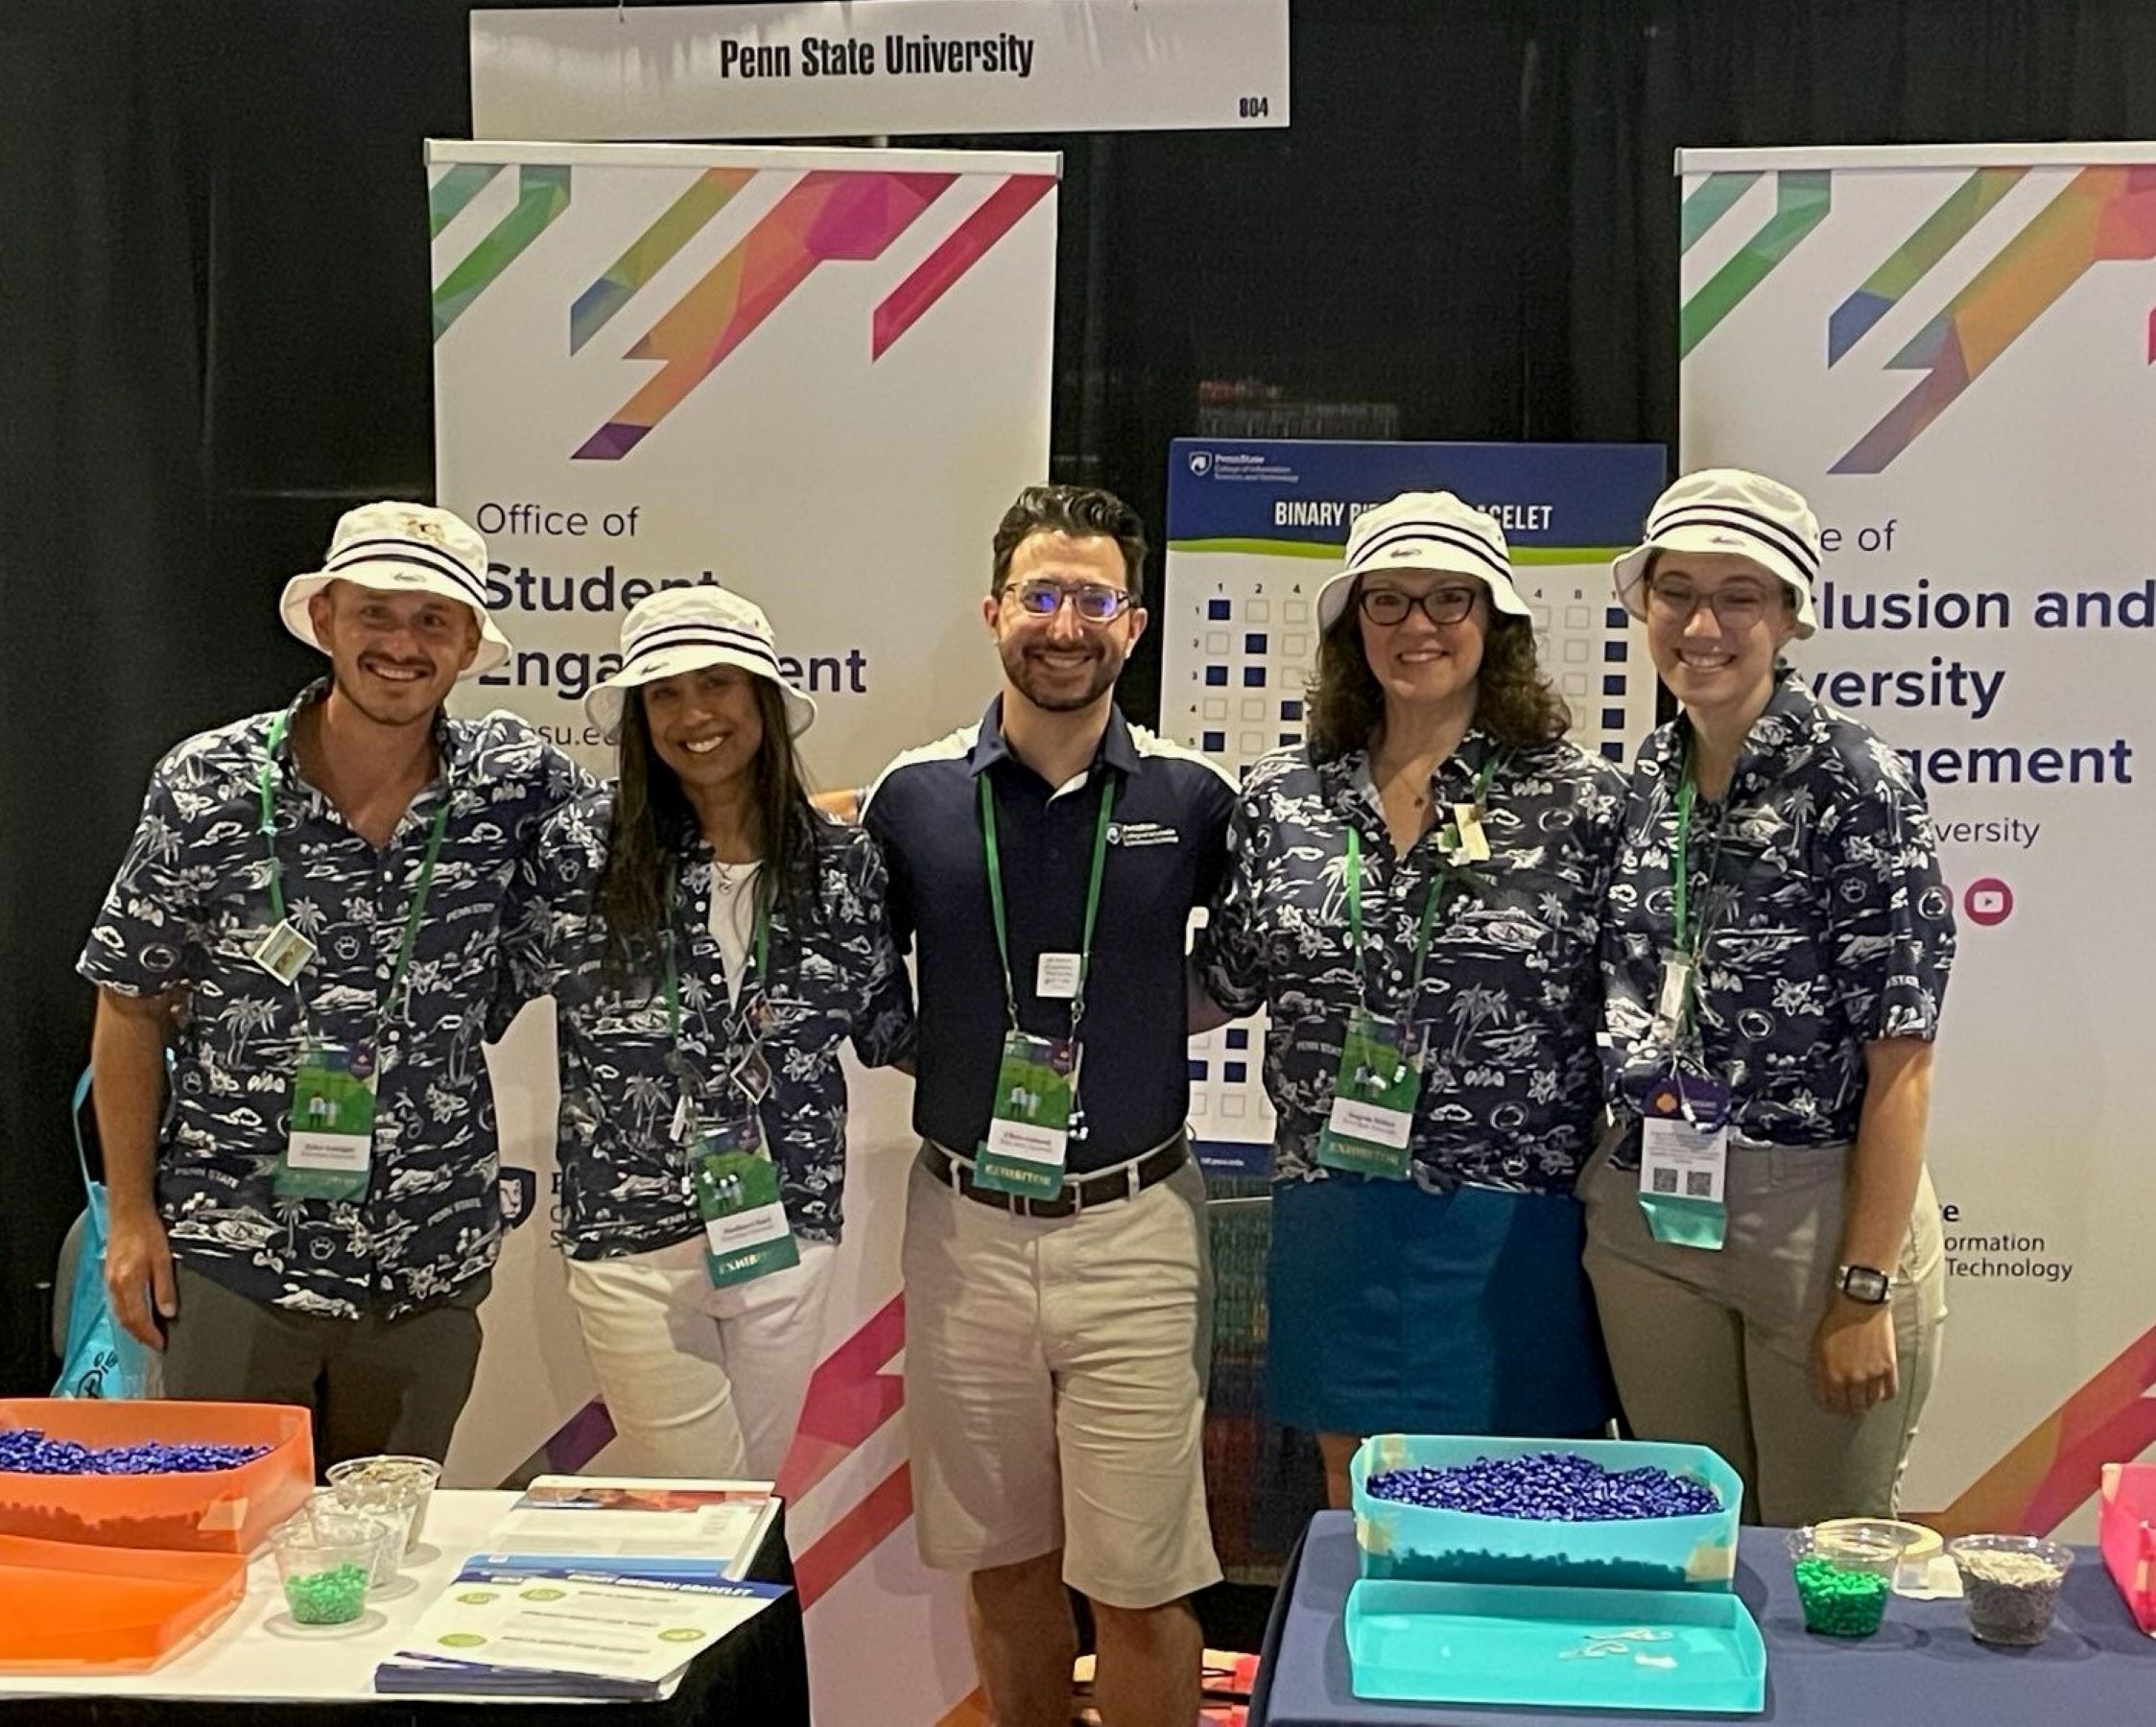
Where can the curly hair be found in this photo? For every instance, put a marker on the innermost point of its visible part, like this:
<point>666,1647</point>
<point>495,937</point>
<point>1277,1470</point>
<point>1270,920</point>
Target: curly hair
<point>1081,511</point>
<point>1515,700</point>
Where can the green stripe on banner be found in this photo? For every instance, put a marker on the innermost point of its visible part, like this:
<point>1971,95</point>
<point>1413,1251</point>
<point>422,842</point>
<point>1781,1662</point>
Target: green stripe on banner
<point>448,195</point>
<point>542,193</point>
<point>1709,201</point>
<point>1263,548</point>
<point>1802,198</point>
<point>1521,554</point>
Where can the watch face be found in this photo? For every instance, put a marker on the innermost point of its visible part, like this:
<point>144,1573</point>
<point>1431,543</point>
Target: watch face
<point>1860,1283</point>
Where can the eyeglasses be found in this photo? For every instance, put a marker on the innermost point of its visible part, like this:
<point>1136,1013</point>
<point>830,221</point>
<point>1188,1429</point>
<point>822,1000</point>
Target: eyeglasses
<point>1738,607</point>
<point>1441,605</point>
<point>1095,603</point>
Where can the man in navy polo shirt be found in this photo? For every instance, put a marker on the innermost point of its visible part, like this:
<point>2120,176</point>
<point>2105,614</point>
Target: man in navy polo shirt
<point>1058,1295</point>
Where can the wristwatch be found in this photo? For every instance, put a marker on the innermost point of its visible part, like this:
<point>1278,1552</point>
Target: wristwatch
<point>1867,1284</point>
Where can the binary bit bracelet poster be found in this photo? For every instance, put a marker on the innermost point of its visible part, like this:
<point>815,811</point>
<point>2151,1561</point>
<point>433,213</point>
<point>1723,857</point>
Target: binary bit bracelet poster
<point>1254,529</point>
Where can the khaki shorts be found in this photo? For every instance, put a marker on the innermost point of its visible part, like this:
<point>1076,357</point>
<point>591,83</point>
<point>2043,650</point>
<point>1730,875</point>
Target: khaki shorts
<point>1055,1387</point>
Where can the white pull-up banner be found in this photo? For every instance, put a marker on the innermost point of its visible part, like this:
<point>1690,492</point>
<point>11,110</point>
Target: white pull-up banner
<point>893,68</point>
<point>1948,351</point>
<point>819,378</point>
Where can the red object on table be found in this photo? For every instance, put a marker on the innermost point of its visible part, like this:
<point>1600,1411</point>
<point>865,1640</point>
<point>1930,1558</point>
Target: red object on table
<point>216,1511</point>
<point>2127,1532</point>
<point>66,1608</point>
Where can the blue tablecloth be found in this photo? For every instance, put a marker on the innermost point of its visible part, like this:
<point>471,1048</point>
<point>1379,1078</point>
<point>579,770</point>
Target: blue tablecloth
<point>2097,1669</point>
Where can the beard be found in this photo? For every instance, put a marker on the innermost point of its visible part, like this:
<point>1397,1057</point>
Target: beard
<point>1061,692</point>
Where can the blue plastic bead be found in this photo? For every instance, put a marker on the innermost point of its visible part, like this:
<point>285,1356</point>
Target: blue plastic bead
<point>1548,1487</point>
<point>28,1451</point>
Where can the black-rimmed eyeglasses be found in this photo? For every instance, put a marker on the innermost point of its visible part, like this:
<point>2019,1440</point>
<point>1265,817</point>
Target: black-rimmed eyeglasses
<point>1386,606</point>
<point>1094,601</point>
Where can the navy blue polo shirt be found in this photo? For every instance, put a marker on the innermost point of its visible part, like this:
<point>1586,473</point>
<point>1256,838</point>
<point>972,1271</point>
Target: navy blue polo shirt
<point>1166,853</point>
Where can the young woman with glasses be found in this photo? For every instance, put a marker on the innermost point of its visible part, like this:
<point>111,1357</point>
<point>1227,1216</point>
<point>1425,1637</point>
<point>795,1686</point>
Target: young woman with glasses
<point>1762,1234</point>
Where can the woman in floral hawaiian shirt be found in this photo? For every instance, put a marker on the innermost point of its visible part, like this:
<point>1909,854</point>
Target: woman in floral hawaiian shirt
<point>710,941</point>
<point>1763,1238</point>
<point>1414,901</point>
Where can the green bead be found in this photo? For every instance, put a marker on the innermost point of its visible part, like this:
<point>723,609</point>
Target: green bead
<point>330,1598</point>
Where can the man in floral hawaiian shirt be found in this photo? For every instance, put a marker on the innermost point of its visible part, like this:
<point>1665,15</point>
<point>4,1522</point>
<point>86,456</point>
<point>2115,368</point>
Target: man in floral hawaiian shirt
<point>321,887</point>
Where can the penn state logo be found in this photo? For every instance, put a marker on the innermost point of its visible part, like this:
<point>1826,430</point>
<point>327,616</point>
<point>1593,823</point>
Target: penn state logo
<point>1201,462</point>
<point>518,1191</point>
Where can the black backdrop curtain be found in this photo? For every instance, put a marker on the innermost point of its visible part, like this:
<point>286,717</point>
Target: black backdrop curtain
<point>214,334</point>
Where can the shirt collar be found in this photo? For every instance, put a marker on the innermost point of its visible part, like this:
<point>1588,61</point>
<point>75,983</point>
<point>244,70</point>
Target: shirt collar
<point>1347,782</point>
<point>454,747</point>
<point>1116,747</point>
<point>1790,719</point>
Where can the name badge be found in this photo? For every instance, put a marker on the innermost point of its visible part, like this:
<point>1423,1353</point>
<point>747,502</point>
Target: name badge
<point>1374,1097</point>
<point>1056,978</point>
<point>746,1234</point>
<point>1029,1122</point>
<point>1684,1162</point>
<point>330,1141</point>
<point>283,953</point>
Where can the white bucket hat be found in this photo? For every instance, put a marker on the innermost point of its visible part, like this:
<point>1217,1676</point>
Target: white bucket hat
<point>680,629</point>
<point>402,548</point>
<point>1728,510</point>
<point>1425,531</point>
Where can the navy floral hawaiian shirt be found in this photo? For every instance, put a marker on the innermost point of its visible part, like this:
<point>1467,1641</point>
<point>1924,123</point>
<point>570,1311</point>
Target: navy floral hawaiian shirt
<point>625,1177</point>
<point>1511,998</point>
<point>191,901</point>
<point>1826,925</point>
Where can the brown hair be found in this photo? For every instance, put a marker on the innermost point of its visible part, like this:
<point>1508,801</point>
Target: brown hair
<point>1081,511</point>
<point>1515,702</point>
<point>653,823</point>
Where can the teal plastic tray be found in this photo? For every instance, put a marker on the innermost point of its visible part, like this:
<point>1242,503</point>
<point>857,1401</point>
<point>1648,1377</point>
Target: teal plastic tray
<point>1677,1651</point>
<point>1414,1542</point>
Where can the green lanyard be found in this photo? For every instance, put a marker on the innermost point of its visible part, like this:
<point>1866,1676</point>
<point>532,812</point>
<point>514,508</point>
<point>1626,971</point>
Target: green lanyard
<point>762,944</point>
<point>994,858</point>
<point>277,867</point>
<point>1430,899</point>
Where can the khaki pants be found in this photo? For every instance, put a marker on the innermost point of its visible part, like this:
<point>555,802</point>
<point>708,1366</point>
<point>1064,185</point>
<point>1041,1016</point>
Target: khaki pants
<point>1055,1387</point>
<point>1714,1348</point>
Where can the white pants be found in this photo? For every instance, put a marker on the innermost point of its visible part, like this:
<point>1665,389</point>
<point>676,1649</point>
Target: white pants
<point>701,1382</point>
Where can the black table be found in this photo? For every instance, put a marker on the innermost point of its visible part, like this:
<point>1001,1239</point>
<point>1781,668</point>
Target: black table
<point>2096,1668</point>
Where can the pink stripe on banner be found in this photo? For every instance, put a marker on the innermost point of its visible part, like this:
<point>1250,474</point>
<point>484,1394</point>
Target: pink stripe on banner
<point>968,244</point>
<point>854,1536</point>
<point>850,1398</point>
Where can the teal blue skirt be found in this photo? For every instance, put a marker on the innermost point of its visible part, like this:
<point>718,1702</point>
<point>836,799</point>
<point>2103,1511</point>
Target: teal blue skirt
<point>1393,1310</point>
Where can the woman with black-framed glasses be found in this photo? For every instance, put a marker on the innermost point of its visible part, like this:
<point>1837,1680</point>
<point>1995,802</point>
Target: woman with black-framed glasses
<point>1414,899</point>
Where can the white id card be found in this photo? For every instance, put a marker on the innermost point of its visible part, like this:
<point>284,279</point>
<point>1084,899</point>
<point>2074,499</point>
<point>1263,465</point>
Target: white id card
<point>1056,978</point>
<point>1681,1161</point>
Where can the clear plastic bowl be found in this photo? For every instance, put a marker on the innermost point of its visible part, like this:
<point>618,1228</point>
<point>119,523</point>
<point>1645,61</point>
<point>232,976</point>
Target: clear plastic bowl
<point>415,1476</point>
<point>1916,1547</point>
<point>325,1562</point>
<point>2010,1585</point>
<point>1844,1577</point>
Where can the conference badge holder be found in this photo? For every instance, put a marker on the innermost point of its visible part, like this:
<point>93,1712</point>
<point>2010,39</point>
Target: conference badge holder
<point>1684,1161</point>
<point>746,1230</point>
<point>331,1138</point>
<point>1373,1099</point>
<point>1031,1122</point>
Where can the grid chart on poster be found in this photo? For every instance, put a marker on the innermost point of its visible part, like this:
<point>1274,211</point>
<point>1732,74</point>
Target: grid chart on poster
<point>1239,639</point>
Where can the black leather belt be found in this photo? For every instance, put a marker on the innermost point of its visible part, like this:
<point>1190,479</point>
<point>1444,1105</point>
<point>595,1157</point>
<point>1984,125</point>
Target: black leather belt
<point>1080,1192</point>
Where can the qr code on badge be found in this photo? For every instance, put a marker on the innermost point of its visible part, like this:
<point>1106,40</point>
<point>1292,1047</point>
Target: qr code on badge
<point>1699,1184</point>
<point>1665,1181</point>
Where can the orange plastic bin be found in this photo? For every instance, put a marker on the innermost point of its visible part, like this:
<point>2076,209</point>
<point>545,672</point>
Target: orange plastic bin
<point>216,1511</point>
<point>65,1608</point>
